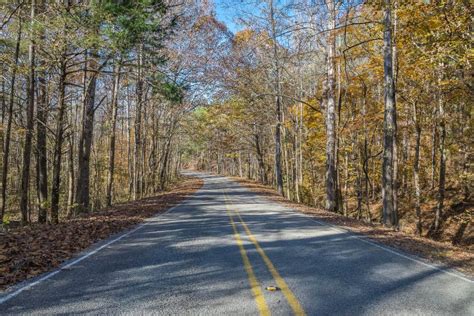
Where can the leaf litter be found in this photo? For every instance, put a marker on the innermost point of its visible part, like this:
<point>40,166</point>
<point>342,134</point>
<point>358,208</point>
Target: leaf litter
<point>31,250</point>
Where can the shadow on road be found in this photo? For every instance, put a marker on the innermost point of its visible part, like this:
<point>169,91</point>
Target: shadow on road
<point>187,261</point>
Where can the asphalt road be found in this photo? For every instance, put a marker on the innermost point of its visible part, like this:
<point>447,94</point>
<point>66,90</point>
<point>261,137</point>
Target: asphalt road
<point>216,253</point>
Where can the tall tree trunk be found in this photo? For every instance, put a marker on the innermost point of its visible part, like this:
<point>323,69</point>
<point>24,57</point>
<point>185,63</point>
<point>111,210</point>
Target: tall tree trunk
<point>70,176</point>
<point>4,101</point>
<point>164,165</point>
<point>261,163</point>
<point>331,171</point>
<point>416,170</point>
<point>59,130</point>
<point>365,155</point>
<point>467,184</point>
<point>143,175</point>
<point>113,124</point>
<point>295,163</point>
<point>442,157</point>
<point>129,149</point>
<point>87,130</point>
<point>241,172</point>
<point>138,123</point>
<point>249,164</point>
<point>278,105</point>
<point>6,146</point>
<point>339,196</point>
<point>25,174</point>
<point>178,163</point>
<point>434,146</point>
<point>389,213</point>
<point>395,140</point>
<point>41,150</point>
<point>153,157</point>
<point>296,177</point>
<point>285,160</point>
<point>59,133</point>
<point>300,148</point>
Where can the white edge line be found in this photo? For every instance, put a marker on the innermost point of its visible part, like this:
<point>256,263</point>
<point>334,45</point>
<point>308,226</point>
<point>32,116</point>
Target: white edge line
<point>364,239</point>
<point>49,275</point>
<point>391,250</point>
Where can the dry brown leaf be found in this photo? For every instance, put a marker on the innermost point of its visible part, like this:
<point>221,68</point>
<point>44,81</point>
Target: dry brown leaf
<point>28,251</point>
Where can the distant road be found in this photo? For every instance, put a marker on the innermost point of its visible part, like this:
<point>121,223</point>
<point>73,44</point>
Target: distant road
<point>216,254</point>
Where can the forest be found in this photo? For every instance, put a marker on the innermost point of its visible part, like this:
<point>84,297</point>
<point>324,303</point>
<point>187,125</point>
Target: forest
<point>362,108</point>
<point>359,107</point>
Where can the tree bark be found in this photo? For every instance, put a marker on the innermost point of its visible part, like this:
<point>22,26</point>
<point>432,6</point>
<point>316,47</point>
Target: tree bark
<point>416,170</point>
<point>442,158</point>
<point>113,124</point>
<point>300,149</point>
<point>82,195</point>
<point>138,131</point>
<point>389,213</point>
<point>166,157</point>
<point>241,172</point>
<point>129,149</point>
<point>41,142</point>
<point>395,179</point>
<point>6,146</point>
<point>144,138</point>
<point>25,174</point>
<point>70,176</point>
<point>365,154</point>
<point>331,171</point>
<point>4,102</point>
<point>434,146</point>
<point>59,133</point>
<point>278,105</point>
<point>285,160</point>
<point>261,163</point>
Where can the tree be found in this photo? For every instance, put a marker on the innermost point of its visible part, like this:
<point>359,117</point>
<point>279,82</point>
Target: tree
<point>357,88</point>
<point>85,140</point>
<point>390,217</point>
<point>41,134</point>
<point>278,105</point>
<point>25,178</point>
<point>337,104</point>
<point>113,124</point>
<point>6,146</point>
<point>331,168</point>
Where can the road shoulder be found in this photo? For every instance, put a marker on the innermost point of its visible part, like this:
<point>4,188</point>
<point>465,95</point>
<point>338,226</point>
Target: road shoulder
<point>27,252</point>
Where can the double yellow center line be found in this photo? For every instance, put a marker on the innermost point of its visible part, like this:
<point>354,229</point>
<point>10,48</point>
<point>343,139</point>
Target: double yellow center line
<point>253,281</point>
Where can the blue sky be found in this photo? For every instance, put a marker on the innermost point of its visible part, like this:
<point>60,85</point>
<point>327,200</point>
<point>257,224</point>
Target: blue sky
<point>227,11</point>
